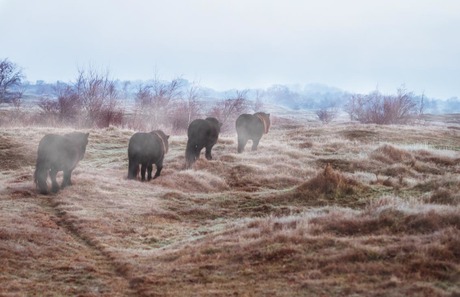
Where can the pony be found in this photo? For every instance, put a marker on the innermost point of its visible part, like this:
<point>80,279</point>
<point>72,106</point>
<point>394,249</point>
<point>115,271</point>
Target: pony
<point>58,153</point>
<point>146,149</point>
<point>201,134</point>
<point>251,127</point>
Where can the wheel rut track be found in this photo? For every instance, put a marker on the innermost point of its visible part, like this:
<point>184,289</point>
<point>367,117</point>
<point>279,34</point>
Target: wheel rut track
<point>105,261</point>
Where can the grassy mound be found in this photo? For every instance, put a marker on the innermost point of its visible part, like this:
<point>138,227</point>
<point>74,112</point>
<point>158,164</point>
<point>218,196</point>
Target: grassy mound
<point>331,187</point>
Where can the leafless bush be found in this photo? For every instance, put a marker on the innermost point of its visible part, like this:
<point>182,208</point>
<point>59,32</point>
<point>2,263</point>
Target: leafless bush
<point>65,110</point>
<point>68,105</point>
<point>48,106</point>
<point>326,115</point>
<point>227,110</point>
<point>154,104</point>
<point>384,109</point>
<point>49,111</point>
<point>92,101</point>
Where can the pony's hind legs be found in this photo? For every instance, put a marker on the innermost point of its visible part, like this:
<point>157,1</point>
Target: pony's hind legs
<point>40,179</point>
<point>242,141</point>
<point>143,168</point>
<point>149,171</point>
<point>255,143</point>
<point>66,180</point>
<point>54,184</point>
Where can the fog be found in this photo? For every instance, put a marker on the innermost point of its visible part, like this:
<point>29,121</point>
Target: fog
<point>355,45</point>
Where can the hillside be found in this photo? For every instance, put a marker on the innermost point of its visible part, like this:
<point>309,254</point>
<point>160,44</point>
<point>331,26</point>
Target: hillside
<point>337,210</point>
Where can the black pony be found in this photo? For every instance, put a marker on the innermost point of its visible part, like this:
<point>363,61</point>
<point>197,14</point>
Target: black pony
<point>146,149</point>
<point>58,153</point>
<point>252,127</point>
<point>201,134</point>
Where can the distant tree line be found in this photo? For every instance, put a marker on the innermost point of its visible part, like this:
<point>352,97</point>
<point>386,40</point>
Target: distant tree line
<point>94,99</point>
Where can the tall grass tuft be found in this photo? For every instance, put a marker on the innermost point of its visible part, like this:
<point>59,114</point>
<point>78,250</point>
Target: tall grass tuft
<point>331,185</point>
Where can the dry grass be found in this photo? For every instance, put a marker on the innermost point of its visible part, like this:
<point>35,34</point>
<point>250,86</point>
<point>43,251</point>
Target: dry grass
<point>331,187</point>
<point>316,211</point>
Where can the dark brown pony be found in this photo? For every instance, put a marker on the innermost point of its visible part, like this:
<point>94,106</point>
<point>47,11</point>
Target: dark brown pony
<point>58,153</point>
<point>146,149</point>
<point>251,127</point>
<point>201,134</point>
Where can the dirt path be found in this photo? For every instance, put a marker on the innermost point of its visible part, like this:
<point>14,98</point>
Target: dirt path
<point>41,249</point>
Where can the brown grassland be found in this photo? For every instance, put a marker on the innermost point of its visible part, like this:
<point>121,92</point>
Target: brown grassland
<point>336,210</point>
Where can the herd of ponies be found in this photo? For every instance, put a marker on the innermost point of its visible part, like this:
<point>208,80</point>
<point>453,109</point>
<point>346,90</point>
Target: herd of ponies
<point>63,152</point>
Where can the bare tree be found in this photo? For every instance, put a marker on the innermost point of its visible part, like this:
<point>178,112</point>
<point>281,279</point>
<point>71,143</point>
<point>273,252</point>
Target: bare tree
<point>98,97</point>
<point>186,109</point>
<point>194,106</point>
<point>11,77</point>
<point>154,103</point>
<point>351,107</point>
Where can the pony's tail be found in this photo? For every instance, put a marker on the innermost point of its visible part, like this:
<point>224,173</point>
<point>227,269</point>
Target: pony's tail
<point>133,169</point>
<point>190,154</point>
<point>41,175</point>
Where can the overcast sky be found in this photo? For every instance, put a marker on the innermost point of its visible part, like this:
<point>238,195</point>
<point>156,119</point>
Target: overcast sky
<point>356,45</point>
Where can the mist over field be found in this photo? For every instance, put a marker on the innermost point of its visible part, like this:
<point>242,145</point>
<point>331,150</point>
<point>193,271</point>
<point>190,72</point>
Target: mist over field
<point>295,96</point>
<point>353,190</point>
<point>347,193</point>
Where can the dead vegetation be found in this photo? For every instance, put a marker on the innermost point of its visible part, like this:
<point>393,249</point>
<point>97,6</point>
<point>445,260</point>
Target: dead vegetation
<point>329,186</point>
<point>318,210</point>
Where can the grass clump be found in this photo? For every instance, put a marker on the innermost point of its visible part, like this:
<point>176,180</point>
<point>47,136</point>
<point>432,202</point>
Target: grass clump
<point>389,154</point>
<point>330,186</point>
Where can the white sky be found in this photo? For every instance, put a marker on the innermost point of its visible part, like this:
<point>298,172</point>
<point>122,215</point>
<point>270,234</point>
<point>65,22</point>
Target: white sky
<point>355,45</point>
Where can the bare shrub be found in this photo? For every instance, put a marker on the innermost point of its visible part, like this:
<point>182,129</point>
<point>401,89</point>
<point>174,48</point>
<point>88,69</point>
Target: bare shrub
<point>326,115</point>
<point>384,109</point>
<point>227,110</point>
<point>68,105</point>
<point>92,101</point>
<point>65,110</point>
<point>154,104</point>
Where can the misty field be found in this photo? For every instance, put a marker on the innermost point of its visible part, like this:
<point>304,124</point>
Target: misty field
<point>334,210</point>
